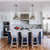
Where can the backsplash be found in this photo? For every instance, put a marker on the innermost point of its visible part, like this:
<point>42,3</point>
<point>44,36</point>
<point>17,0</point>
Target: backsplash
<point>26,26</point>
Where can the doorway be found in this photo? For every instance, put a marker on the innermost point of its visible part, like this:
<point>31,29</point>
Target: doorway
<point>46,25</point>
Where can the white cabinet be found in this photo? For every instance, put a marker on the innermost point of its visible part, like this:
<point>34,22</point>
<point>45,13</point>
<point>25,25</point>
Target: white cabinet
<point>32,22</point>
<point>13,21</point>
<point>5,16</point>
<point>35,22</point>
<point>38,22</point>
<point>0,34</point>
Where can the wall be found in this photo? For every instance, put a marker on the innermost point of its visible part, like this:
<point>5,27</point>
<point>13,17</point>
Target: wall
<point>4,16</point>
<point>46,13</point>
<point>25,0</point>
<point>36,14</point>
<point>8,16</point>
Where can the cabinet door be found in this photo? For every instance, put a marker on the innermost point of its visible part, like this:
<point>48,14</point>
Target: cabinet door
<point>5,16</point>
<point>32,22</point>
<point>38,22</point>
<point>48,27</point>
<point>35,22</point>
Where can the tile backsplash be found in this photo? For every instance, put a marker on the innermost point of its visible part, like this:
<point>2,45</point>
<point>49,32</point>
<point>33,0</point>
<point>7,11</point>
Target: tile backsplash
<point>26,26</point>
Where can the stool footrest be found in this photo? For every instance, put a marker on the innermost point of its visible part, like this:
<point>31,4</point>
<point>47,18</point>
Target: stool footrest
<point>24,45</point>
<point>24,42</point>
<point>14,45</point>
<point>14,42</point>
<point>35,45</point>
<point>34,42</point>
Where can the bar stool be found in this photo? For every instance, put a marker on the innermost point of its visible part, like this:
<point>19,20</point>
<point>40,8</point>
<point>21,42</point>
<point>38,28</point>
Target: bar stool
<point>14,34</point>
<point>35,34</point>
<point>24,34</point>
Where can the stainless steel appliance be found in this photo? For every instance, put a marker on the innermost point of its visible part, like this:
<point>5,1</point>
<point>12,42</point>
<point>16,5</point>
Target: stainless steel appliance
<point>6,27</point>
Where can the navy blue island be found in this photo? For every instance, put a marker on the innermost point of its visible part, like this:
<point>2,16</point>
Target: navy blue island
<point>19,38</point>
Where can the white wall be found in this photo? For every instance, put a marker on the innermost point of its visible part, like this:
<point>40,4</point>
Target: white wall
<point>46,13</point>
<point>36,14</point>
<point>4,16</point>
<point>26,0</point>
<point>8,16</point>
<point>1,25</point>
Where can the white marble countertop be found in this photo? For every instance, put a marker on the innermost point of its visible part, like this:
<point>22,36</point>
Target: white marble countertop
<point>40,30</point>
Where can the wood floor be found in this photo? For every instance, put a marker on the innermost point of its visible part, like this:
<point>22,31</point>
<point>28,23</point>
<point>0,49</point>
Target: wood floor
<point>44,46</point>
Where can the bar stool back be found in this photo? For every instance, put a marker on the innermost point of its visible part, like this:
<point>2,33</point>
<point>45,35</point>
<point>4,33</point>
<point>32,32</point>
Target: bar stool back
<point>14,34</point>
<point>35,34</point>
<point>24,34</point>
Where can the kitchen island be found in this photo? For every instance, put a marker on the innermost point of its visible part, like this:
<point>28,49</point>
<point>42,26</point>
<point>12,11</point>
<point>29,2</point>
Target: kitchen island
<point>29,38</point>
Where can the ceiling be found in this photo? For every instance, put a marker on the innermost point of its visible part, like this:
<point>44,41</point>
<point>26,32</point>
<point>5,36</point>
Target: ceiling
<point>22,6</point>
<point>27,0</point>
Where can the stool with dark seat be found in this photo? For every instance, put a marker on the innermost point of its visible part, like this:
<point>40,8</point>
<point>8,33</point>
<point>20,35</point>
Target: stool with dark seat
<point>24,34</point>
<point>35,34</point>
<point>14,34</point>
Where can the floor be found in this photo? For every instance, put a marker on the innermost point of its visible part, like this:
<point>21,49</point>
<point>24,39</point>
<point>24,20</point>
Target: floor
<point>44,46</point>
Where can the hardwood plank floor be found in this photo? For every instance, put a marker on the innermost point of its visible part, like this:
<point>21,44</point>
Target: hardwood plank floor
<point>44,46</point>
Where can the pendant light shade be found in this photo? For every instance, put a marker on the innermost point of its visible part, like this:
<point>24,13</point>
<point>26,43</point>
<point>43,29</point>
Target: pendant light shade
<point>32,16</point>
<point>16,17</point>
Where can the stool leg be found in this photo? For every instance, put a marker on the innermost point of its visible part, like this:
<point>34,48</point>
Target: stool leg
<point>17,42</point>
<point>22,42</point>
<point>32,42</point>
<point>37,42</point>
<point>27,42</point>
<point>11,42</point>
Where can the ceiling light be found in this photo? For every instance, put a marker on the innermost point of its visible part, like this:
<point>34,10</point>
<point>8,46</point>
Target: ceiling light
<point>32,16</point>
<point>16,17</point>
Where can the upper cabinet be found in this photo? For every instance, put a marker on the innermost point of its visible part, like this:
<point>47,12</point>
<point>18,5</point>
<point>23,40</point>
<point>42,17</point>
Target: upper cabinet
<point>37,20</point>
<point>26,17</point>
<point>5,16</point>
<point>23,17</point>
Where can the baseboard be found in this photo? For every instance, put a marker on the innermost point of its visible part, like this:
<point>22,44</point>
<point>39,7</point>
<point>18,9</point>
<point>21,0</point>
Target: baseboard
<point>4,36</point>
<point>46,36</point>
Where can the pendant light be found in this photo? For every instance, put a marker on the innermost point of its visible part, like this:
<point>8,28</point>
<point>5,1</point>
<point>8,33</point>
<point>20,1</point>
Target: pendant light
<point>16,17</point>
<point>32,16</point>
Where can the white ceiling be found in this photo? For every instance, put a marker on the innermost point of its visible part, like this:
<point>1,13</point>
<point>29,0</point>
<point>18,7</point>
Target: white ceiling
<point>27,0</point>
<point>22,6</point>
